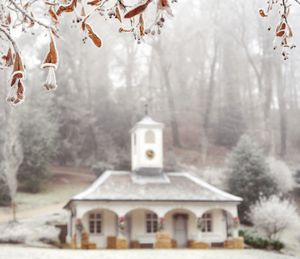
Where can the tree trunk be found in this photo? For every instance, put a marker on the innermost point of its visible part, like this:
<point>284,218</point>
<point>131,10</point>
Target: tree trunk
<point>171,104</point>
<point>281,85</point>
<point>164,71</point>
<point>208,108</point>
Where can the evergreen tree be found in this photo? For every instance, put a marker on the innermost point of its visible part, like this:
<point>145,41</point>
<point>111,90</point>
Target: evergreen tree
<point>248,175</point>
<point>38,136</point>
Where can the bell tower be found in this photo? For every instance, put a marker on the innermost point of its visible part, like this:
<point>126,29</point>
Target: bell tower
<point>147,146</point>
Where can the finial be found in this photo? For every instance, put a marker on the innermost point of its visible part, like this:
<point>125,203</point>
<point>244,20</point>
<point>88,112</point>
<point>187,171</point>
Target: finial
<point>144,100</point>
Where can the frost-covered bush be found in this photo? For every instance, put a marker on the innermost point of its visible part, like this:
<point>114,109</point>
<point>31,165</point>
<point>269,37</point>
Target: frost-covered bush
<point>281,174</point>
<point>272,216</point>
<point>37,231</point>
<point>100,167</point>
<point>248,175</point>
<point>214,176</point>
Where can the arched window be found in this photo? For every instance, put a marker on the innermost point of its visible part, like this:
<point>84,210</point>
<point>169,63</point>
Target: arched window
<point>149,137</point>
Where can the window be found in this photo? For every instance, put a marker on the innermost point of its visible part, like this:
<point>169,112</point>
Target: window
<point>95,223</point>
<point>151,223</point>
<point>207,222</point>
<point>149,137</point>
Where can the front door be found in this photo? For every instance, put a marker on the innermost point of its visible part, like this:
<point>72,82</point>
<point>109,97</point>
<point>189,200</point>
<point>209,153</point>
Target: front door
<point>180,229</point>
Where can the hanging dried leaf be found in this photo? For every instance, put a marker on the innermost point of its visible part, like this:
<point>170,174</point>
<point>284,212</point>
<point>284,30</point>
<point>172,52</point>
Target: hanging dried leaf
<point>142,25</point>
<point>164,5</point>
<point>53,15</point>
<point>94,2</point>
<point>281,29</point>
<point>50,83</point>
<point>83,25</point>
<point>84,22</point>
<point>51,60</point>
<point>290,34</point>
<point>262,13</point>
<point>8,19</point>
<point>118,14</point>
<point>8,58</point>
<point>16,93</point>
<point>95,38</point>
<point>20,91</point>
<point>18,69</point>
<point>67,8</point>
<point>137,10</point>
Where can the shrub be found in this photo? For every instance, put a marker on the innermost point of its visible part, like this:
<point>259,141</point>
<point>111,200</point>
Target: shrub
<point>259,242</point>
<point>273,215</point>
<point>281,174</point>
<point>277,245</point>
<point>32,184</point>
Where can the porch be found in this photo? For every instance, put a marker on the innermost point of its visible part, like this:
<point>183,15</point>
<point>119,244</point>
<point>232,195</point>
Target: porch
<point>141,228</point>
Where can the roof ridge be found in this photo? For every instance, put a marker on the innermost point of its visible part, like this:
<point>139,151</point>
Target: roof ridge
<point>209,186</point>
<point>100,180</point>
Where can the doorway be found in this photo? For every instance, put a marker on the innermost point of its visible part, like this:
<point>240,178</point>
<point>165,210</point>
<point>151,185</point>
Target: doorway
<point>180,229</point>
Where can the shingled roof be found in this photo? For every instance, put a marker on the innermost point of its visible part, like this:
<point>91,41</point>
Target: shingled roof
<point>124,186</point>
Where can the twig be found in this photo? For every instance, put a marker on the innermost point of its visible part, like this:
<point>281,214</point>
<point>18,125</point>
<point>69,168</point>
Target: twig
<point>13,43</point>
<point>30,17</point>
<point>297,1</point>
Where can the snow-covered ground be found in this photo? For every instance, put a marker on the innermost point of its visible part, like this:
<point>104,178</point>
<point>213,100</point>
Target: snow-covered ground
<point>17,252</point>
<point>36,231</point>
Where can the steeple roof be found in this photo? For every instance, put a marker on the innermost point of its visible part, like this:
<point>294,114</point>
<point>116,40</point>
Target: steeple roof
<point>147,121</point>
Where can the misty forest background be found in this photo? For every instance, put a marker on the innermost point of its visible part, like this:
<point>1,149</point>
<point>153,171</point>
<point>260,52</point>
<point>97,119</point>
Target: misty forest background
<point>211,77</point>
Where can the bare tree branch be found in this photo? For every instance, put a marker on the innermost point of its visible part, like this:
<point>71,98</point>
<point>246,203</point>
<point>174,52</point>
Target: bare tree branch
<point>297,1</point>
<point>13,43</point>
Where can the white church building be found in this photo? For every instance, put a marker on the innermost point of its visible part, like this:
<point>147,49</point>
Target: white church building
<point>140,202</point>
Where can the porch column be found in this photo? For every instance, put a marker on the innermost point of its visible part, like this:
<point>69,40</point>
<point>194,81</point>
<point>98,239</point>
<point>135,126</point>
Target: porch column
<point>121,226</point>
<point>236,226</point>
<point>121,242</point>
<point>199,228</point>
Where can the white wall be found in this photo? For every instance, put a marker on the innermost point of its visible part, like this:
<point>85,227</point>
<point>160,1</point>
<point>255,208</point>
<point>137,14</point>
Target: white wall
<point>218,233</point>
<point>162,209</point>
<point>139,158</point>
<point>108,227</point>
<point>138,230</point>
